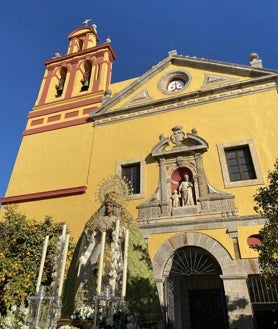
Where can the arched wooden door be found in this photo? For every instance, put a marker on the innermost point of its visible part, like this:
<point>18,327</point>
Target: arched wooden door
<point>194,292</point>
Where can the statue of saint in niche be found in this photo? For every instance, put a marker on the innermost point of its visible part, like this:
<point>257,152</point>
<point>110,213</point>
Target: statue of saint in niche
<point>186,191</point>
<point>175,199</point>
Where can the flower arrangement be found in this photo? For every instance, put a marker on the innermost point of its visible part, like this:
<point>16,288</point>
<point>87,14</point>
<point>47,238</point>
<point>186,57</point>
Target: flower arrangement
<point>122,319</point>
<point>15,318</point>
<point>83,313</point>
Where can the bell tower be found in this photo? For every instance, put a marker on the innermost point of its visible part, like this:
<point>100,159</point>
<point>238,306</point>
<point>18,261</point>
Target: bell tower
<point>76,80</point>
<point>54,158</point>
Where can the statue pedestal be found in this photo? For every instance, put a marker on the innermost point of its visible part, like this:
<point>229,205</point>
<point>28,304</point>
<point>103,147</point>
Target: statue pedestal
<point>180,211</point>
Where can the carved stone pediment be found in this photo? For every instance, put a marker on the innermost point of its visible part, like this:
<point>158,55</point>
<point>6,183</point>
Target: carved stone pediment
<point>183,144</point>
<point>183,189</point>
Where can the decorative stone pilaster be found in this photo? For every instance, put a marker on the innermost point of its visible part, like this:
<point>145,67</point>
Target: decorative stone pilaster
<point>238,302</point>
<point>165,208</point>
<point>233,234</point>
<point>201,175</point>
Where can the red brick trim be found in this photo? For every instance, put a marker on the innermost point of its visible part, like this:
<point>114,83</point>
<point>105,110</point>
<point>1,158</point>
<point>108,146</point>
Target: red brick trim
<point>37,122</point>
<point>59,108</point>
<point>43,195</point>
<point>55,126</point>
<point>54,118</point>
<point>91,51</point>
<point>71,114</point>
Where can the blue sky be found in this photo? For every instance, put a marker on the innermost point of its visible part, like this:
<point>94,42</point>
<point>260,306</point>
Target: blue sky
<point>142,33</point>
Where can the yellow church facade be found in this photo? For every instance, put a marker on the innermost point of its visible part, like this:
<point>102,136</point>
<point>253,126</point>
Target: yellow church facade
<point>196,139</point>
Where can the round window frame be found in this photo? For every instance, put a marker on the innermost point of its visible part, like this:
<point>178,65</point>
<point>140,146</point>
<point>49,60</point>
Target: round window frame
<point>172,76</point>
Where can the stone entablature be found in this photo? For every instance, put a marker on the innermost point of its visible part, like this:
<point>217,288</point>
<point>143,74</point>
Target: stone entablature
<point>197,222</point>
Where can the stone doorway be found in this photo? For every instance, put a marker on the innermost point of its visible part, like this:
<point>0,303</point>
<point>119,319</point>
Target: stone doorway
<point>194,291</point>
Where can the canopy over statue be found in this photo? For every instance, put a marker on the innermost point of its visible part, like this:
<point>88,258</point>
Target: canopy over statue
<point>99,268</point>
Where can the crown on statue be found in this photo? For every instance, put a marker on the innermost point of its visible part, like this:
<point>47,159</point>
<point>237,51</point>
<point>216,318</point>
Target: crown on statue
<point>113,197</point>
<point>115,190</point>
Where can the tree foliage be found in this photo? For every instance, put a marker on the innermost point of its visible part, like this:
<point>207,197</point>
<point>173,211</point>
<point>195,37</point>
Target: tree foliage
<point>267,205</point>
<point>21,244</point>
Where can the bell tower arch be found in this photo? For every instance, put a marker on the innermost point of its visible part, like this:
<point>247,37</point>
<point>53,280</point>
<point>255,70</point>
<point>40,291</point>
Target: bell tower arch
<point>83,70</point>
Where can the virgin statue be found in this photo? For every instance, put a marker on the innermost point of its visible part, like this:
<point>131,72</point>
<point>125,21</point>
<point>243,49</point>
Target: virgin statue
<point>113,220</point>
<point>97,267</point>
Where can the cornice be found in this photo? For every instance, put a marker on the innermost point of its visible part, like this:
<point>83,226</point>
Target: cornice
<point>200,97</point>
<point>221,67</point>
<point>199,222</point>
<point>81,53</point>
<point>185,61</point>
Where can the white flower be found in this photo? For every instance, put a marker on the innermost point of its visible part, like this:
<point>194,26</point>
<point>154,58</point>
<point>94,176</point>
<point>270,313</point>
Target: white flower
<point>83,313</point>
<point>15,318</point>
<point>13,308</point>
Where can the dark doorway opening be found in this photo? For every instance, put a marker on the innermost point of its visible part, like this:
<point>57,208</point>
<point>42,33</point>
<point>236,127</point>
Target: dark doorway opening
<point>206,309</point>
<point>195,292</point>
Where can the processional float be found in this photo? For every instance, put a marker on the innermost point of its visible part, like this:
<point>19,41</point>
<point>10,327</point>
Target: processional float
<point>45,307</point>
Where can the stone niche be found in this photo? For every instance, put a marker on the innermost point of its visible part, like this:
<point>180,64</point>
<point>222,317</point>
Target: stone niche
<point>183,189</point>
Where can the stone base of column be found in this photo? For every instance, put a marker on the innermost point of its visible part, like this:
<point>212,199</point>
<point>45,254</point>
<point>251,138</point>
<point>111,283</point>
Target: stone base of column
<point>238,302</point>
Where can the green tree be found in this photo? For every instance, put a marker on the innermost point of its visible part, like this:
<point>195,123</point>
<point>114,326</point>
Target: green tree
<point>266,200</point>
<point>21,244</point>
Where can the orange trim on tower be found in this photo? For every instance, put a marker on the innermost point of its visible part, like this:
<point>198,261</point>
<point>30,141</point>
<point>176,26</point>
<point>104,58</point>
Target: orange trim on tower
<point>71,114</point>
<point>44,195</point>
<point>70,106</point>
<point>91,51</point>
<point>87,111</point>
<point>60,125</point>
<point>36,122</point>
<point>54,118</point>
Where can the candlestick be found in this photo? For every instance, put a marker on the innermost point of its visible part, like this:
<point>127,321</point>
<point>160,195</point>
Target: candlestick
<point>45,245</point>
<point>64,260</point>
<point>125,263</point>
<point>100,269</point>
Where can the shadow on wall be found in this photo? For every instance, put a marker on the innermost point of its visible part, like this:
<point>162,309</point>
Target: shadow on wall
<point>241,321</point>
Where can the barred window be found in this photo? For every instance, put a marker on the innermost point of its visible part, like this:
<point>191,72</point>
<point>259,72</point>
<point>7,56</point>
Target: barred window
<point>131,173</point>
<point>240,165</point>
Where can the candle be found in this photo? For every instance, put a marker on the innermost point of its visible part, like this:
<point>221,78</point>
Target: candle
<point>117,230</point>
<point>63,266</point>
<point>125,263</point>
<point>64,230</point>
<point>116,243</point>
<point>42,263</point>
<point>100,269</point>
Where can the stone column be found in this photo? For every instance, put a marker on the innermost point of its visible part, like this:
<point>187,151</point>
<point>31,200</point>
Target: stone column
<point>201,175</point>
<point>165,209</point>
<point>238,302</point>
